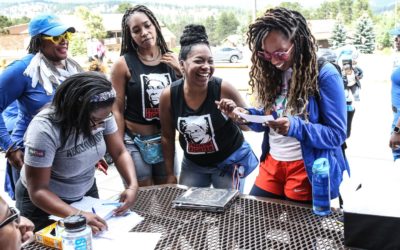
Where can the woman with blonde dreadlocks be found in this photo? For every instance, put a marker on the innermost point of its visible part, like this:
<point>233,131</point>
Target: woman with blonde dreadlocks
<point>309,105</point>
<point>145,60</point>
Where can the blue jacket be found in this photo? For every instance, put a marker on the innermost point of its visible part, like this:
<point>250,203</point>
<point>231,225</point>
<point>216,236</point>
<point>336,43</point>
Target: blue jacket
<point>15,86</point>
<point>324,133</point>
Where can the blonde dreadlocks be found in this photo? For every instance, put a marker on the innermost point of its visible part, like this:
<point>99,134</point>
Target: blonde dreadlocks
<point>266,79</point>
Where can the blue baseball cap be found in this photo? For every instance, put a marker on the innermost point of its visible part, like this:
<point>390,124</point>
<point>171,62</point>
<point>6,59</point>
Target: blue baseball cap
<point>48,24</point>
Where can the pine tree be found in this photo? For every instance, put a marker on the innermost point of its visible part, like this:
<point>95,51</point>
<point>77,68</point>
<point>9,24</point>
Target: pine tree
<point>338,38</point>
<point>364,37</point>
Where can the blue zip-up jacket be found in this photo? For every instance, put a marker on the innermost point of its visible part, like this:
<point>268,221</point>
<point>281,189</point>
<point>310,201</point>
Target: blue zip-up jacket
<point>324,133</point>
<point>15,86</point>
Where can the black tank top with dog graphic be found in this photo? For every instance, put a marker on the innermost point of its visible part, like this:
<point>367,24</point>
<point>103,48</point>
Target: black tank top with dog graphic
<point>206,136</point>
<point>144,89</point>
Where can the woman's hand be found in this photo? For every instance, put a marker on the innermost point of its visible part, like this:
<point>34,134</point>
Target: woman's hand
<point>95,222</point>
<point>26,228</point>
<point>171,59</point>
<point>226,106</point>
<point>280,125</point>
<point>127,197</point>
<point>394,142</point>
<point>16,159</point>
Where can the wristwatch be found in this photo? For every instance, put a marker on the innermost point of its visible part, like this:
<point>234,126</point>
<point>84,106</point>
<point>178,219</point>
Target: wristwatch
<point>396,130</point>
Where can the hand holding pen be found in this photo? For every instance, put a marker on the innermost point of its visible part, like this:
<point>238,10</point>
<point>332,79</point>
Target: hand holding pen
<point>95,222</point>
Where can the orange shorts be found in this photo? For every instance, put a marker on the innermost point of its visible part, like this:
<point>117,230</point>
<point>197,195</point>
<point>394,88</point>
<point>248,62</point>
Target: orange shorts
<point>284,178</point>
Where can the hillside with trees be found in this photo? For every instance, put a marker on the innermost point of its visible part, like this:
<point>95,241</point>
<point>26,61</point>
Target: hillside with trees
<point>222,21</point>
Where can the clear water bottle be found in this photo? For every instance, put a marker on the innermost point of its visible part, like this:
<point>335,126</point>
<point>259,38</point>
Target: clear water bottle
<point>321,187</point>
<point>76,235</point>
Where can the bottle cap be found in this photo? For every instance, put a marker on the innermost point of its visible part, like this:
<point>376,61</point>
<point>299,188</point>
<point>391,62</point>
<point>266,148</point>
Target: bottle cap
<point>320,164</point>
<point>74,222</point>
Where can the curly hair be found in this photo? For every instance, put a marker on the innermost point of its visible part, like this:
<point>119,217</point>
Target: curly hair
<point>193,34</point>
<point>266,79</point>
<point>128,44</point>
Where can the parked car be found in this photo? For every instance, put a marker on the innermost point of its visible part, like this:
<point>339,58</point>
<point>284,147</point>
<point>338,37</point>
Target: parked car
<point>327,53</point>
<point>232,55</point>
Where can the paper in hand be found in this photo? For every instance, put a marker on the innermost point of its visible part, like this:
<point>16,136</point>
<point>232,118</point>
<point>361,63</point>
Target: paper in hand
<point>255,118</point>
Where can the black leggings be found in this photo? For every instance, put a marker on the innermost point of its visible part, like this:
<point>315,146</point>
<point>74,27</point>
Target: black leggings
<point>39,217</point>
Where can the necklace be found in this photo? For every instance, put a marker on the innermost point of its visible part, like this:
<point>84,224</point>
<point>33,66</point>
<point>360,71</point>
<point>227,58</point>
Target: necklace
<point>152,59</point>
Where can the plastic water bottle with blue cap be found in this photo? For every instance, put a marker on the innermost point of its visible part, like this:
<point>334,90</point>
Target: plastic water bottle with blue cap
<point>321,187</point>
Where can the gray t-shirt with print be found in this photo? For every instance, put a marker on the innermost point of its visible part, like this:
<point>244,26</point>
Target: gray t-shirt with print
<point>72,167</point>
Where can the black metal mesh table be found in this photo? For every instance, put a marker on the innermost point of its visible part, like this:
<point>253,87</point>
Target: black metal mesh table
<point>250,223</point>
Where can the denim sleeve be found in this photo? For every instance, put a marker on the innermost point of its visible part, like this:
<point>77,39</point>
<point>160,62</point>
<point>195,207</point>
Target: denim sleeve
<point>330,130</point>
<point>12,85</point>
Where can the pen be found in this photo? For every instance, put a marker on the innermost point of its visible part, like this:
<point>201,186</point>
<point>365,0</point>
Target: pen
<point>118,204</point>
<point>94,211</point>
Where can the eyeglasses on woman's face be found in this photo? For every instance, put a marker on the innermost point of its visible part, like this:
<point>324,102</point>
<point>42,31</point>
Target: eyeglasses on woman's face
<point>95,123</point>
<point>58,39</point>
<point>278,55</point>
<point>15,216</point>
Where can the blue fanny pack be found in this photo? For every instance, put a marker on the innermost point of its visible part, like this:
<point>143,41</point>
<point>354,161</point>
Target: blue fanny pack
<point>241,162</point>
<point>150,148</point>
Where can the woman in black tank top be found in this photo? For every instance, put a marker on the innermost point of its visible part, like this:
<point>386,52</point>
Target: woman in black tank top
<point>206,136</point>
<point>145,68</point>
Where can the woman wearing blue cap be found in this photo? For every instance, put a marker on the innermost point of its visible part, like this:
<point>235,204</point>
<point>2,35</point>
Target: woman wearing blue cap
<point>32,81</point>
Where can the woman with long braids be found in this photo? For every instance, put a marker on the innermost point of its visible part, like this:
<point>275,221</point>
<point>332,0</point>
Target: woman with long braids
<point>32,81</point>
<point>308,102</point>
<point>63,143</point>
<point>145,59</point>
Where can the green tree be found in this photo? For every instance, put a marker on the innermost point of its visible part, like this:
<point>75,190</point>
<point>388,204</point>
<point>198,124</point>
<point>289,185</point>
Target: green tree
<point>327,10</point>
<point>292,6</point>
<point>211,28</point>
<point>78,44</point>
<point>20,20</point>
<point>297,7</point>
<point>346,8</point>
<point>339,35</point>
<point>4,22</point>
<point>227,24</point>
<point>384,23</point>
<point>93,22</point>
<point>122,7</point>
<point>364,37</point>
<point>360,7</point>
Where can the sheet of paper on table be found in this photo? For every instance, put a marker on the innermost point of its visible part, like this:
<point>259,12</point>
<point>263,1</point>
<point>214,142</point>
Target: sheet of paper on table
<point>87,203</point>
<point>116,224</point>
<point>255,118</point>
<point>127,240</point>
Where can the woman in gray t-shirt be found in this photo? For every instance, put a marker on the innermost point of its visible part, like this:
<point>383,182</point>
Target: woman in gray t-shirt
<point>63,144</point>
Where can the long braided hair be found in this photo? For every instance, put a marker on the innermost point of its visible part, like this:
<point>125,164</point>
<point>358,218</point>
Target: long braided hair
<point>72,104</point>
<point>128,44</point>
<point>266,79</point>
<point>34,44</point>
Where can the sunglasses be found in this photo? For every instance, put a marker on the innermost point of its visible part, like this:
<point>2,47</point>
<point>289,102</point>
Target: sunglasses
<point>95,124</point>
<point>15,216</point>
<point>279,55</point>
<point>58,39</point>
